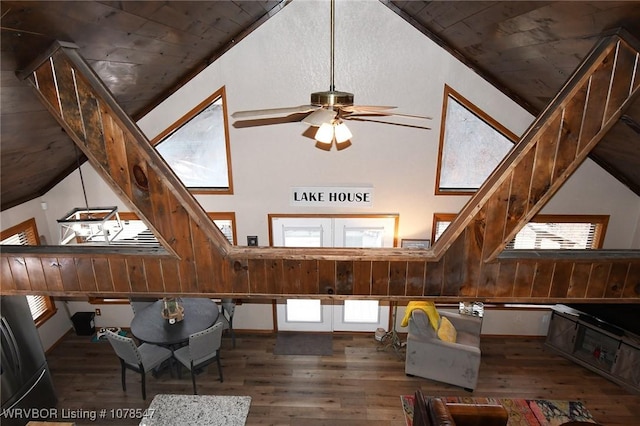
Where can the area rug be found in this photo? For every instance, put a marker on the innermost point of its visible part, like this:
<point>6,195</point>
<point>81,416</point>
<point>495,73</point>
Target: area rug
<point>197,410</point>
<point>294,343</point>
<point>522,412</point>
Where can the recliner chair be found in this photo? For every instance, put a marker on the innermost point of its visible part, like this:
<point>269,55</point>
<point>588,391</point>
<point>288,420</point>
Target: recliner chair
<point>430,357</point>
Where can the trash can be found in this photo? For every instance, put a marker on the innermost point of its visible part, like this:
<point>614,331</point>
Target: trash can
<point>83,323</point>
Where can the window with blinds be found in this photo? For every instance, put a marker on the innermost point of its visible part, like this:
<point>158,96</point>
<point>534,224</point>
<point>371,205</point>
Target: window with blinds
<point>548,232</point>
<point>26,234</point>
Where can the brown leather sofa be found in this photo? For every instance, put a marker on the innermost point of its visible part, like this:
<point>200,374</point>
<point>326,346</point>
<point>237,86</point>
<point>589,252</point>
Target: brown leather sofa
<point>428,411</point>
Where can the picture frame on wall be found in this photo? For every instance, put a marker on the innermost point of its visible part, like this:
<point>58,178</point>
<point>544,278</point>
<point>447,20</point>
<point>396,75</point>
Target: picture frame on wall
<point>415,243</point>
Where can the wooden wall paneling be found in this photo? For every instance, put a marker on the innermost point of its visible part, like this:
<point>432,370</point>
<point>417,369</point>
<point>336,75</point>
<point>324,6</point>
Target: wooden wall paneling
<point>506,279</point>
<point>571,126</point>
<point>495,218</point>
<point>203,259</point>
<point>140,174</point>
<point>51,269</point>
<point>632,284</point>
<point>92,122</point>
<point>180,225</point>
<point>120,275</point>
<point>344,278</point>
<point>561,279</point>
<point>86,275</point>
<point>416,273</point>
<point>19,273</point>
<point>171,275</point>
<point>596,103</point>
<point>488,279</point>
<point>545,156</point>
<point>67,94</point>
<point>542,279</point>
<point>237,274</point>
<point>474,235</point>
<point>434,278</point>
<point>454,267</point>
<point>70,281</point>
<point>362,278</point>
<point>137,277</point>
<point>46,85</point>
<point>116,153</point>
<point>518,196</point>
<point>622,79</point>
<point>36,274</point>
<point>160,200</point>
<point>617,278</point>
<point>291,276</point>
<point>379,278</point>
<point>153,272</point>
<point>523,281</point>
<point>257,276</point>
<point>598,279</point>
<point>327,271</point>
<point>275,276</point>
<point>397,278</point>
<point>102,272</point>
<point>5,274</point>
<point>309,283</point>
<point>579,280</point>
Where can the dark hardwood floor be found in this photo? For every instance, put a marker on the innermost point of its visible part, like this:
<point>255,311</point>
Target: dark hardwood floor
<point>357,385</point>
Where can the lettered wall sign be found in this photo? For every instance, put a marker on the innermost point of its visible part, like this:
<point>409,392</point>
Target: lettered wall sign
<point>328,196</point>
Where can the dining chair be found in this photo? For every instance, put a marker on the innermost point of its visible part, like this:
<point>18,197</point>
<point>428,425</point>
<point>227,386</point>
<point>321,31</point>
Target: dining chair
<point>203,349</point>
<point>140,359</point>
<point>227,309</point>
<point>138,304</point>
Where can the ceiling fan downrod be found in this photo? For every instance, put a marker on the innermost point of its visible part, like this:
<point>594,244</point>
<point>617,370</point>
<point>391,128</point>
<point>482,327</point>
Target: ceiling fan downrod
<point>332,97</point>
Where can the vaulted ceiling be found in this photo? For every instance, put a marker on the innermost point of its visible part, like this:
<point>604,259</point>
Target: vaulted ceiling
<point>145,50</point>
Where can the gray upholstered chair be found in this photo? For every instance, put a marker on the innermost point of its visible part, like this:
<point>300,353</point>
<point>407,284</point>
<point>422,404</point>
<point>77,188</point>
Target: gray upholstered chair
<point>227,309</point>
<point>138,304</point>
<point>432,358</point>
<point>203,349</point>
<point>140,359</point>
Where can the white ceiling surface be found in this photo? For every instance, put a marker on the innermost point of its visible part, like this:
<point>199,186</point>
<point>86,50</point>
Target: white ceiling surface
<point>383,61</point>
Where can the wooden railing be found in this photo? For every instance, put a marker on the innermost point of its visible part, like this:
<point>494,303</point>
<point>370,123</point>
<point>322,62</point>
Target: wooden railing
<point>465,263</point>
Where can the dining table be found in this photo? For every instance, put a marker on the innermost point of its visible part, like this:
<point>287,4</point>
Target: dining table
<point>149,326</point>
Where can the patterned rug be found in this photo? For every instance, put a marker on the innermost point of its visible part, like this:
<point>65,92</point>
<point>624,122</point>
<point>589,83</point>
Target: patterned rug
<point>522,412</point>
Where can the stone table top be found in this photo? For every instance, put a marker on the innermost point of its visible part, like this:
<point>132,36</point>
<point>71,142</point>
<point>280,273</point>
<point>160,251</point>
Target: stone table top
<point>200,410</point>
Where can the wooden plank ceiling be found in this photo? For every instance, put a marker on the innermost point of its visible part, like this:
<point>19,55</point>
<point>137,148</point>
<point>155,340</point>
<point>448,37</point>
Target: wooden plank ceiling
<point>528,49</point>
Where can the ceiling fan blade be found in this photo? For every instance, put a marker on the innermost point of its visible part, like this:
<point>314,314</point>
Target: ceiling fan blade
<point>356,109</point>
<point>274,111</point>
<point>386,122</point>
<point>319,117</point>
<point>291,118</point>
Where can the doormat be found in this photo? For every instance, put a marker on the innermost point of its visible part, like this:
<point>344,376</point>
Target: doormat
<point>522,412</point>
<point>294,343</point>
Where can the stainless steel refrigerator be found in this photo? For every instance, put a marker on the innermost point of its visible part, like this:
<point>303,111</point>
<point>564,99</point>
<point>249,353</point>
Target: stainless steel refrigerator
<point>26,383</point>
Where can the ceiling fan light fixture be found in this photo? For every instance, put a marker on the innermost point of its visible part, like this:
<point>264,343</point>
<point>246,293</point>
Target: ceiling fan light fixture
<point>325,133</point>
<point>342,133</point>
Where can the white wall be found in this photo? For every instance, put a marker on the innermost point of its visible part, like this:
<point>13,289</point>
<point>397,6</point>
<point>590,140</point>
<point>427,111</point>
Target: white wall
<point>382,60</point>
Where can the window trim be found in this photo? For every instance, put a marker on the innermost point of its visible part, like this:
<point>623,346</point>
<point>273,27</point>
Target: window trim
<point>475,110</point>
<point>218,94</point>
<point>33,238</point>
<point>601,221</point>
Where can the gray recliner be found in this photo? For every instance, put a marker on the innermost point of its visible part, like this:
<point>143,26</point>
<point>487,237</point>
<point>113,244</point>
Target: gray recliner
<point>432,358</point>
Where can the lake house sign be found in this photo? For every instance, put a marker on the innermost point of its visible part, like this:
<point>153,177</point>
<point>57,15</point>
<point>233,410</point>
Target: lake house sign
<point>332,196</point>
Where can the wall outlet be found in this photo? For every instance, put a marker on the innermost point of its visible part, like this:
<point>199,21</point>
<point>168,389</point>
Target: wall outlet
<point>98,312</point>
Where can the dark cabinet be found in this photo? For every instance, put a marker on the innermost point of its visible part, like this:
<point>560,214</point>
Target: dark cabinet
<point>601,347</point>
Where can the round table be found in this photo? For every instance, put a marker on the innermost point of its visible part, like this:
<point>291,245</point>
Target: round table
<point>149,326</point>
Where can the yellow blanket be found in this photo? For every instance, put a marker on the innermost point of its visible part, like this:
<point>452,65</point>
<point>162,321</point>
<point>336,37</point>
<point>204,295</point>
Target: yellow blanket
<point>429,308</point>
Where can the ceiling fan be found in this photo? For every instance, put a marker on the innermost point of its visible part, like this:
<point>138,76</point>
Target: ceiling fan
<point>327,111</point>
